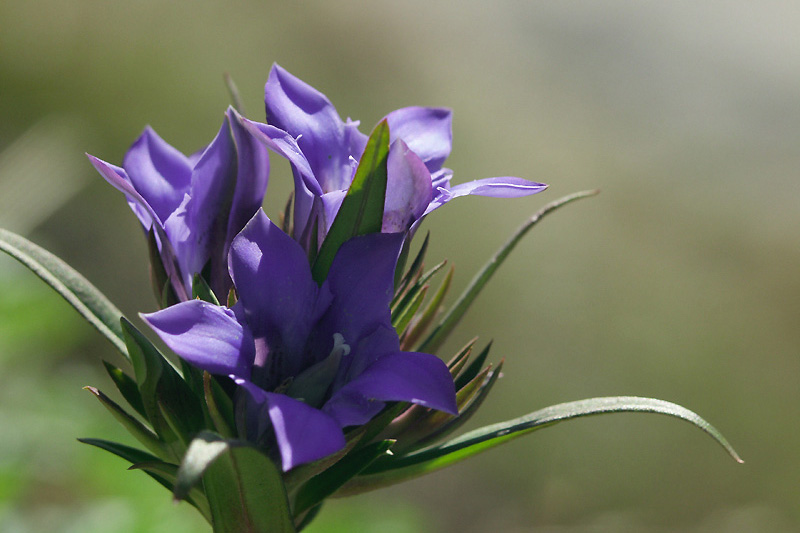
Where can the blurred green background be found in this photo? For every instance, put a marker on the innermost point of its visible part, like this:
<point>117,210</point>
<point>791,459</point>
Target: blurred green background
<point>680,281</point>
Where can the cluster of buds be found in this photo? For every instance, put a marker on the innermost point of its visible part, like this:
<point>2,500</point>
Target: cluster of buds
<point>306,363</point>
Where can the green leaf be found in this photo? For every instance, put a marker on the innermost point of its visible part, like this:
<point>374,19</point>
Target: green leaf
<point>449,321</point>
<point>404,315</point>
<point>127,387</point>
<point>390,471</point>
<point>132,455</point>
<point>361,211</point>
<point>67,282</point>
<point>320,487</point>
<point>202,291</point>
<point>220,406</point>
<point>171,406</point>
<point>474,367</point>
<point>142,433</point>
<point>244,488</point>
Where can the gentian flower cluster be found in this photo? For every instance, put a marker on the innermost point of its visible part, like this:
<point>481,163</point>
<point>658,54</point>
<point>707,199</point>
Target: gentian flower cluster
<point>306,363</point>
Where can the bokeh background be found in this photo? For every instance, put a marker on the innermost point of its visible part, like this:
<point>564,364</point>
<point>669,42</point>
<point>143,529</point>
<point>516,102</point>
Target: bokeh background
<point>680,281</point>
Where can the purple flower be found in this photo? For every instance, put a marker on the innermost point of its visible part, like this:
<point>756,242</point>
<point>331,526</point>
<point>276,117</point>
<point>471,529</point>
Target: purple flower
<point>304,127</point>
<point>194,204</point>
<point>314,359</point>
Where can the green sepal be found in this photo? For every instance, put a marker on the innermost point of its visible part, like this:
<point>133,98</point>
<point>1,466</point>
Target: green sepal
<point>220,406</point>
<point>413,271</point>
<point>244,488</point>
<point>202,291</point>
<point>386,472</point>
<point>474,368</point>
<point>402,318</point>
<point>233,92</point>
<point>328,482</point>
<point>171,406</point>
<point>66,281</point>
<point>427,316</point>
<point>127,387</point>
<point>454,314</point>
<point>142,433</point>
<point>361,211</point>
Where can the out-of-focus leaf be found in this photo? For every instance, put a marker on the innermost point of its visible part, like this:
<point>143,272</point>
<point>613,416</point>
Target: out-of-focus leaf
<point>142,433</point>
<point>233,92</point>
<point>74,288</point>
<point>361,211</point>
<point>389,471</point>
<point>454,314</point>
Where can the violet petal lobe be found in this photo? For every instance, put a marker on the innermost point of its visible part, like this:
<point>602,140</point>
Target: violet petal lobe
<point>408,189</point>
<point>304,434</point>
<point>158,171</point>
<point>305,113</point>
<point>208,336</point>
<point>426,130</point>
<point>273,278</point>
<point>361,280</point>
<point>506,187</point>
<point>415,377</point>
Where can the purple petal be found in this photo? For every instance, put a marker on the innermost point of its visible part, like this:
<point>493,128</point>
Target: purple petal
<point>506,187</point>
<point>275,287</point>
<point>304,434</point>
<point>308,116</point>
<point>158,171</point>
<point>208,336</point>
<point>426,130</point>
<point>413,377</point>
<point>408,189</point>
<point>350,408</point>
<point>117,177</point>
<point>361,280</point>
<point>306,187</point>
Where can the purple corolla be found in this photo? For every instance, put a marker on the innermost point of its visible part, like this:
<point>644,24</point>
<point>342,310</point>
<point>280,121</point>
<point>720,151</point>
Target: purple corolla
<point>305,128</point>
<point>314,359</point>
<point>195,204</point>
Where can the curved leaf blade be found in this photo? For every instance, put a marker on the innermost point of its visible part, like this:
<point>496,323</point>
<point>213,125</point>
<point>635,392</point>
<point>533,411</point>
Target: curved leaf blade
<point>454,314</point>
<point>72,286</point>
<point>389,471</point>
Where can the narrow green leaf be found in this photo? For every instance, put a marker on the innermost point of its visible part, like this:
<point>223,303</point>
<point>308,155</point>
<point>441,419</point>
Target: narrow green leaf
<point>169,473</point>
<point>320,487</point>
<point>74,288</point>
<point>361,211</point>
<point>453,316</point>
<point>171,406</point>
<point>142,433</point>
<point>159,278</point>
<point>387,472</point>
<point>202,291</point>
<point>413,290</point>
<point>132,455</point>
<point>127,387</point>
